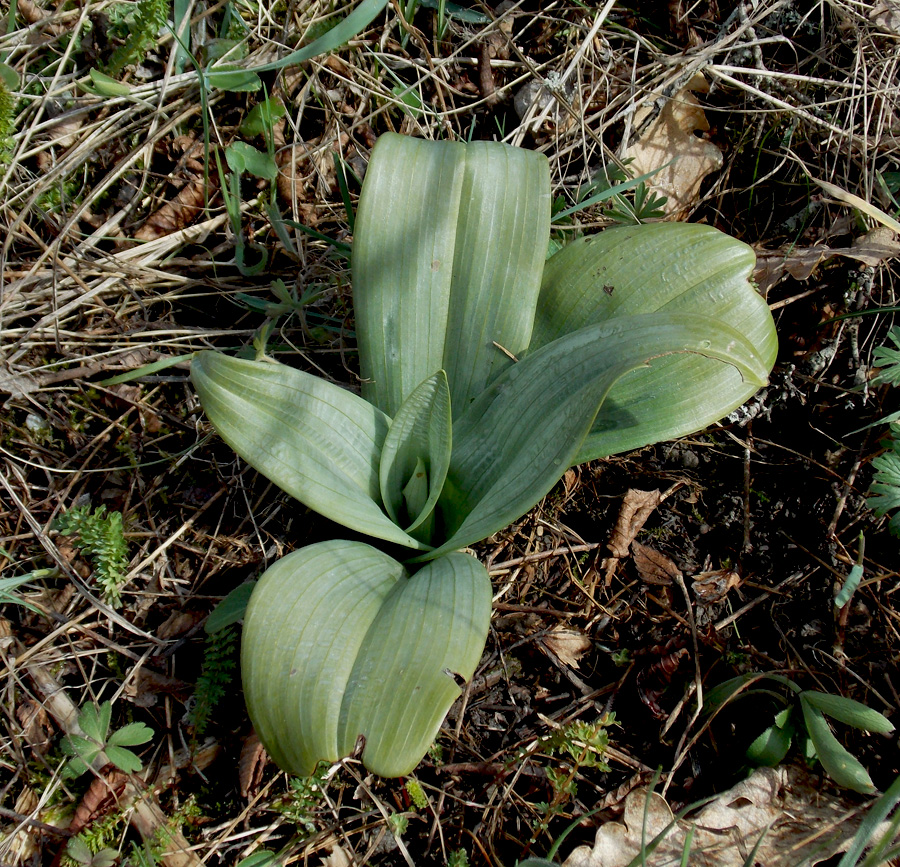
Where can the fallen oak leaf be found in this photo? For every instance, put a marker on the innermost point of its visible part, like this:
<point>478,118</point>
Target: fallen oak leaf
<point>670,148</point>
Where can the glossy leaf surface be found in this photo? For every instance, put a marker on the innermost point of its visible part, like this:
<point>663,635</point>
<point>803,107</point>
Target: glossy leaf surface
<point>522,433</point>
<point>841,766</point>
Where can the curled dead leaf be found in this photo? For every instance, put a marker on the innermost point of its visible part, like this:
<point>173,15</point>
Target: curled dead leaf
<point>636,509</point>
<point>568,644</point>
<point>251,765</point>
<point>671,141</point>
<point>712,587</point>
<point>873,248</point>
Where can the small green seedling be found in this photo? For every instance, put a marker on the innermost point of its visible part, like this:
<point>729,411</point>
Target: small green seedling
<point>816,708</point>
<point>80,853</point>
<point>486,373</point>
<point>85,749</point>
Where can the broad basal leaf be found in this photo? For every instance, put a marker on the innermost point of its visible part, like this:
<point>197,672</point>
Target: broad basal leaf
<point>417,445</point>
<point>447,255</point>
<point>340,642</point>
<point>314,440</point>
<point>522,433</point>
<point>644,269</point>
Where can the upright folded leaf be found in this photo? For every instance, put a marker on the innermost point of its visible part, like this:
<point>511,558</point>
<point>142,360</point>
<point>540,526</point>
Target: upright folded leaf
<point>316,441</point>
<point>522,433</point>
<point>418,442</point>
<point>664,267</point>
<point>447,254</point>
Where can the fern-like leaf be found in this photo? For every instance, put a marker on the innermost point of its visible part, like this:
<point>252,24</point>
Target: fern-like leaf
<point>150,16</point>
<point>101,538</point>
<point>888,360</point>
<point>885,488</point>
<point>215,677</point>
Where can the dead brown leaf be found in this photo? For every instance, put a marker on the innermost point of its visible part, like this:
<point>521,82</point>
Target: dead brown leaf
<point>37,730</point>
<point>568,644</point>
<point>784,808</point>
<point>670,139</point>
<point>188,203</point>
<point>886,15</point>
<point>251,765</point>
<point>654,567</point>
<point>712,587</point>
<point>101,797</point>
<point>873,248</point>
<point>636,509</point>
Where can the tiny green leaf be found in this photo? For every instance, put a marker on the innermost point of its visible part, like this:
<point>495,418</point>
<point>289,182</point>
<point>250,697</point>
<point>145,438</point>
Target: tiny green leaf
<point>242,157</point>
<point>419,438</point>
<point>104,85</point>
<point>263,117</point>
<point>131,735</point>
<point>9,76</point>
<point>231,609</point>
<point>124,760</point>
<point>772,745</point>
<point>94,720</point>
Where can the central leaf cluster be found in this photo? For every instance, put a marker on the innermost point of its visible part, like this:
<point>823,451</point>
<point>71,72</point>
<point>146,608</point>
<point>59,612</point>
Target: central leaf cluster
<point>623,339</point>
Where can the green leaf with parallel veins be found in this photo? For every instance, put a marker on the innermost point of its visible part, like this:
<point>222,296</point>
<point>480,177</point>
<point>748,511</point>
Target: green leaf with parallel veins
<point>454,270</point>
<point>848,711</point>
<point>419,439</point>
<point>841,766</point>
<point>664,267</point>
<point>521,434</point>
<point>339,642</point>
<point>316,441</point>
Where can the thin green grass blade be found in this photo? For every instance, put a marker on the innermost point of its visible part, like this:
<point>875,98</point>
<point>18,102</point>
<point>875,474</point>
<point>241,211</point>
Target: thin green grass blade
<point>357,21</point>
<point>878,812</point>
<point>316,441</point>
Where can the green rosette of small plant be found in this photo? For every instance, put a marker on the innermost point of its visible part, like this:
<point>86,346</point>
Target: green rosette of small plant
<point>487,371</point>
